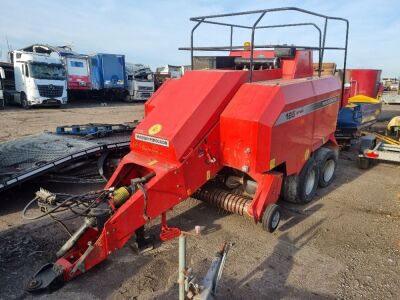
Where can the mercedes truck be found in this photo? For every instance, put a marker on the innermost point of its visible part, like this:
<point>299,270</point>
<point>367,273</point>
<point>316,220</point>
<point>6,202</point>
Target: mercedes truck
<point>76,67</point>
<point>40,80</point>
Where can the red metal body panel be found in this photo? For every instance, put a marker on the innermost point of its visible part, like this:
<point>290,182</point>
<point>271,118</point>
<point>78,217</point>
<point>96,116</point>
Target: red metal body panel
<point>265,119</point>
<point>364,82</point>
<point>300,66</point>
<point>76,82</point>
<point>269,187</point>
<point>346,96</point>
<point>194,104</point>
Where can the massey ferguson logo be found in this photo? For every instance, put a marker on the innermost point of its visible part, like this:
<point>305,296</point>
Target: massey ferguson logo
<point>151,140</point>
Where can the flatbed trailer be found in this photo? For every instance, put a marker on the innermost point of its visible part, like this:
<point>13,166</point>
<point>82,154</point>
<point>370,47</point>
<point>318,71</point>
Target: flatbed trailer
<point>27,158</point>
<point>374,148</point>
<point>391,97</point>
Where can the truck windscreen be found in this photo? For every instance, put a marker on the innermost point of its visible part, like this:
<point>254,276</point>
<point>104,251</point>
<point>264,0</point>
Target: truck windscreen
<point>143,75</point>
<point>47,71</point>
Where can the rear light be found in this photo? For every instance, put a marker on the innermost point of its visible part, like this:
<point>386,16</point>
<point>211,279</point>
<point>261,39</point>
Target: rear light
<point>372,154</point>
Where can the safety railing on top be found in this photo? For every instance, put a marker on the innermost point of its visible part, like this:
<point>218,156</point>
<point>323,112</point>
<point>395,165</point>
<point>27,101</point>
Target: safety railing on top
<point>321,35</point>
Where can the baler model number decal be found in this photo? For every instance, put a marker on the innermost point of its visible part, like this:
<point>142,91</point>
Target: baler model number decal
<point>304,110</point>
<point>152,140</point>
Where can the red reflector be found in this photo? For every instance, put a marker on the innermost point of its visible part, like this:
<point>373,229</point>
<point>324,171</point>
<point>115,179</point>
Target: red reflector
<point>372,154</point>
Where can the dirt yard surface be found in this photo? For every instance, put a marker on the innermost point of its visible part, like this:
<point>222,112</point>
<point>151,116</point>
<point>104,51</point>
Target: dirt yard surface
<point>17,122</point>
<point>343,245</point>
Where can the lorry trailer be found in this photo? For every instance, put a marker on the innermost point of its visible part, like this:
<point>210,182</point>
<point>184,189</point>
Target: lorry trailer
<point>166,72</point>
<point>76,66</point>
<point>7,81</point>
<point>376,147</point>
<point>259,129</point>
<point>108,75</point>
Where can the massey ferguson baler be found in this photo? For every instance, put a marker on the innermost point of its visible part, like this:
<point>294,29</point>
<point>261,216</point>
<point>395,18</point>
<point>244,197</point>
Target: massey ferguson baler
<point>257,128</point>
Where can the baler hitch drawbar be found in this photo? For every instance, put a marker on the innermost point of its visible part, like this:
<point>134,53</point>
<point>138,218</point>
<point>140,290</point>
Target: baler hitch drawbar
<point>96,207</point>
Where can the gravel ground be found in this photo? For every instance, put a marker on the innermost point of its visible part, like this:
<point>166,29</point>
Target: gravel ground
<point>343,245</point>
<point>17,122</point>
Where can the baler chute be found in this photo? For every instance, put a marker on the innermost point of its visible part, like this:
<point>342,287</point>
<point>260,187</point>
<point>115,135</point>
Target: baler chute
<point>256,128</point>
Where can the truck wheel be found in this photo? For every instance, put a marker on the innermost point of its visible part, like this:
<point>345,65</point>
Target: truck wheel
<point>327,162</point>
<point>271,218</point>
<point>128,99</point>
<point>308,181</point>
<point>24,102</point>
<point>363,163</point>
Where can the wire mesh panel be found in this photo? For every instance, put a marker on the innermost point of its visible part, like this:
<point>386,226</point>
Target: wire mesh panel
<point>31,156</point>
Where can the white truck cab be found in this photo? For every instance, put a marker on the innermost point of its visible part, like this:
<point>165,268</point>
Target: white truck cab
<point>40,79</point>
<point>2,77</point>
<point>140,82</point>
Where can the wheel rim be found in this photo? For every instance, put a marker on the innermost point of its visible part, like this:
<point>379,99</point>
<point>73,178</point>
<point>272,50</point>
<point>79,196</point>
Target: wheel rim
<point>329,169</point>
<point>310,182</point>
<point>275,219</point>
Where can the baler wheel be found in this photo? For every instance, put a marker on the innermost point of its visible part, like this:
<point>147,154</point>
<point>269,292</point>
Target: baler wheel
<point>271,218</point>
<point>327,162</point>
<point>301,189</point>
<point>308,181</point>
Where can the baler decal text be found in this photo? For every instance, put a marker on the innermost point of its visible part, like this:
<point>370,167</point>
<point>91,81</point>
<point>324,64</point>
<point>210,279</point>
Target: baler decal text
<point>304,110</point>
<point>152,140</point>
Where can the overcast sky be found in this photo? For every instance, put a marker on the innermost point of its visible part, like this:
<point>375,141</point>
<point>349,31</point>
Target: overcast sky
<point>150,32</point>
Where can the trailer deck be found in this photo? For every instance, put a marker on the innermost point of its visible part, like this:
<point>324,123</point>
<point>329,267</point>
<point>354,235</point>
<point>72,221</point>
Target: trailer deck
<point>29,157</point>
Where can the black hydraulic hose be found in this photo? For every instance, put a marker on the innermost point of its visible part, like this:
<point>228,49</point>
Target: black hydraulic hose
<point>89,198</point>
<point>143,189</point>
<point>44,214</point>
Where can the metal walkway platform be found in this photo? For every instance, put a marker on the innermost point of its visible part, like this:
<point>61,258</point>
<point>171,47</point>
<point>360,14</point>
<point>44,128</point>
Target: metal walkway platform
<point>29,157</point>
<point>391,98</point>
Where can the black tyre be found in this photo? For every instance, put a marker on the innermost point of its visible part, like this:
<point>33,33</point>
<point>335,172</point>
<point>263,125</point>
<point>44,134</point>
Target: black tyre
<point>308,181</point>
<point>363,163</point>
<point>326,160</point>
<point>302,188</point>
<point>271,218</point>
<point>127,98</point>
<point>24,101</point>
<point>289,190</point>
